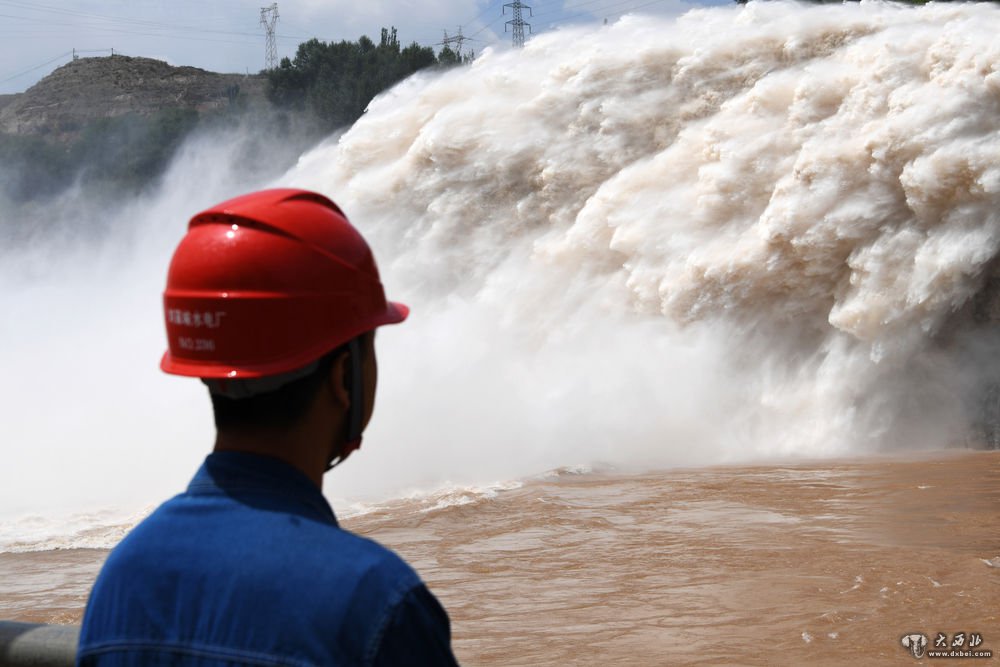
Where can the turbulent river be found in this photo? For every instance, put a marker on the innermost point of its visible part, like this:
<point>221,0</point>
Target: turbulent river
<point>791,564</point>
<point>698,305</point>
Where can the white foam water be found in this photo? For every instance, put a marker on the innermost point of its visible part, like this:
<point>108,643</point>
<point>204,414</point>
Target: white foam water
<point>89,530</point>
<point>744,233</point>
<point>750,232</point>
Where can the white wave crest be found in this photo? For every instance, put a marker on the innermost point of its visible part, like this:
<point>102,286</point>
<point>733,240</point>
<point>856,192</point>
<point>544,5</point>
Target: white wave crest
<point>82,530</point>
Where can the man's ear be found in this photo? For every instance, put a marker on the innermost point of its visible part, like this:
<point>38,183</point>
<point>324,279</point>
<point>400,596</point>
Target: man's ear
<point>338,380</point>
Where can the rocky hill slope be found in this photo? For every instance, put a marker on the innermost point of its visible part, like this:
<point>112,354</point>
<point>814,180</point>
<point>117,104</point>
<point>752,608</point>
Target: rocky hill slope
<point>88,89</point>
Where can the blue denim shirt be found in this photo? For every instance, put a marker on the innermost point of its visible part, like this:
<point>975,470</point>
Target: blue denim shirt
<point>249,567</point>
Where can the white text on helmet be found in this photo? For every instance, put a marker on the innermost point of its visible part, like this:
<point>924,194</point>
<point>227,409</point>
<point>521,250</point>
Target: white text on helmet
<point>195,319</point>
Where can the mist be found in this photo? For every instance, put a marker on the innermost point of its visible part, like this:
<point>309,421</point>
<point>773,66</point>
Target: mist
<point>746,234</point>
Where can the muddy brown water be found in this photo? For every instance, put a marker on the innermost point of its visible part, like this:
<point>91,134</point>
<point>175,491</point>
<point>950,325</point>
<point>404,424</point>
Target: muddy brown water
<point>804,563</point>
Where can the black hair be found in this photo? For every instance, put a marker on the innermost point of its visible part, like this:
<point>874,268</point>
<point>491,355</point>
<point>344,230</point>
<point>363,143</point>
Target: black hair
<point>275,410</point>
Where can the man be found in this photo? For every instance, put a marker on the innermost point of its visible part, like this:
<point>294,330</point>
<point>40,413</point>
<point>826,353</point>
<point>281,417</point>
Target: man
<point>272,299</point>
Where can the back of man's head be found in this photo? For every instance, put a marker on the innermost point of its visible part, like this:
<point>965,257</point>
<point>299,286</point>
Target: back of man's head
<point>264,294</point>
<point>275,410</point>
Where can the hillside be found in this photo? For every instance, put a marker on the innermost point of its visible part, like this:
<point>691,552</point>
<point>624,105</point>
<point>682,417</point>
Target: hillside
<point>88,89</point>
<point>113,124</point>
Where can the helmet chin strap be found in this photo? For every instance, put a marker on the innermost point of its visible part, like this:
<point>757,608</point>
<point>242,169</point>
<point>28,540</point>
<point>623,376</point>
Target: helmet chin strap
<point>355,412</point>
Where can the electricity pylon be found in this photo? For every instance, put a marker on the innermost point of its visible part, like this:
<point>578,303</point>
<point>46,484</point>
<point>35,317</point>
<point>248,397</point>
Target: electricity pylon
<point>517,23</point>
<point>268,19</point>
<point>458,40</point>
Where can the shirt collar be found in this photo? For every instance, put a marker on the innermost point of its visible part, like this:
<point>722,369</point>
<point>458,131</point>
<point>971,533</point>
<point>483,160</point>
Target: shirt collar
<point>240,473</point>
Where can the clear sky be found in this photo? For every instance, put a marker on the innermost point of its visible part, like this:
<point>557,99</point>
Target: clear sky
<point>225,35</point>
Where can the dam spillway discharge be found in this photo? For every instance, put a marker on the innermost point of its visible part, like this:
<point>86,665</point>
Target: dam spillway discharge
<point>813,190</point>
<point>747,232</point>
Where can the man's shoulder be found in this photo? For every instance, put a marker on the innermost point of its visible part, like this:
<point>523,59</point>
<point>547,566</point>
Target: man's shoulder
<point>368,548</point>
<point>212,565</point>
<point>205,562</point>
<point>325,553</point>
<point>372,565</point>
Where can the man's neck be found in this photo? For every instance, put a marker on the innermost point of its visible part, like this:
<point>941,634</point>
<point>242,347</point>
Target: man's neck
<point>306,456</point>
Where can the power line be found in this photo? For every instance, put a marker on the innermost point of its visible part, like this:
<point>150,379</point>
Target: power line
<point>146,23</point>
<point>499,18</point>
<point>28,71</point>
<point>562,11</point>
<point>121,31</point>
<point>647,4</point>
<point>123,23</point>
<point>603,9</point>
<point>483,13</point>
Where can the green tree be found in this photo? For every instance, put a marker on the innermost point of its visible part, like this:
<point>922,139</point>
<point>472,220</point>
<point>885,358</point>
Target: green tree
<point>335,82</point>
<point>448,57</point>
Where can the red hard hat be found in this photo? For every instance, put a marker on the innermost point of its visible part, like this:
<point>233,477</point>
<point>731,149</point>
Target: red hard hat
<point>267,283</point>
